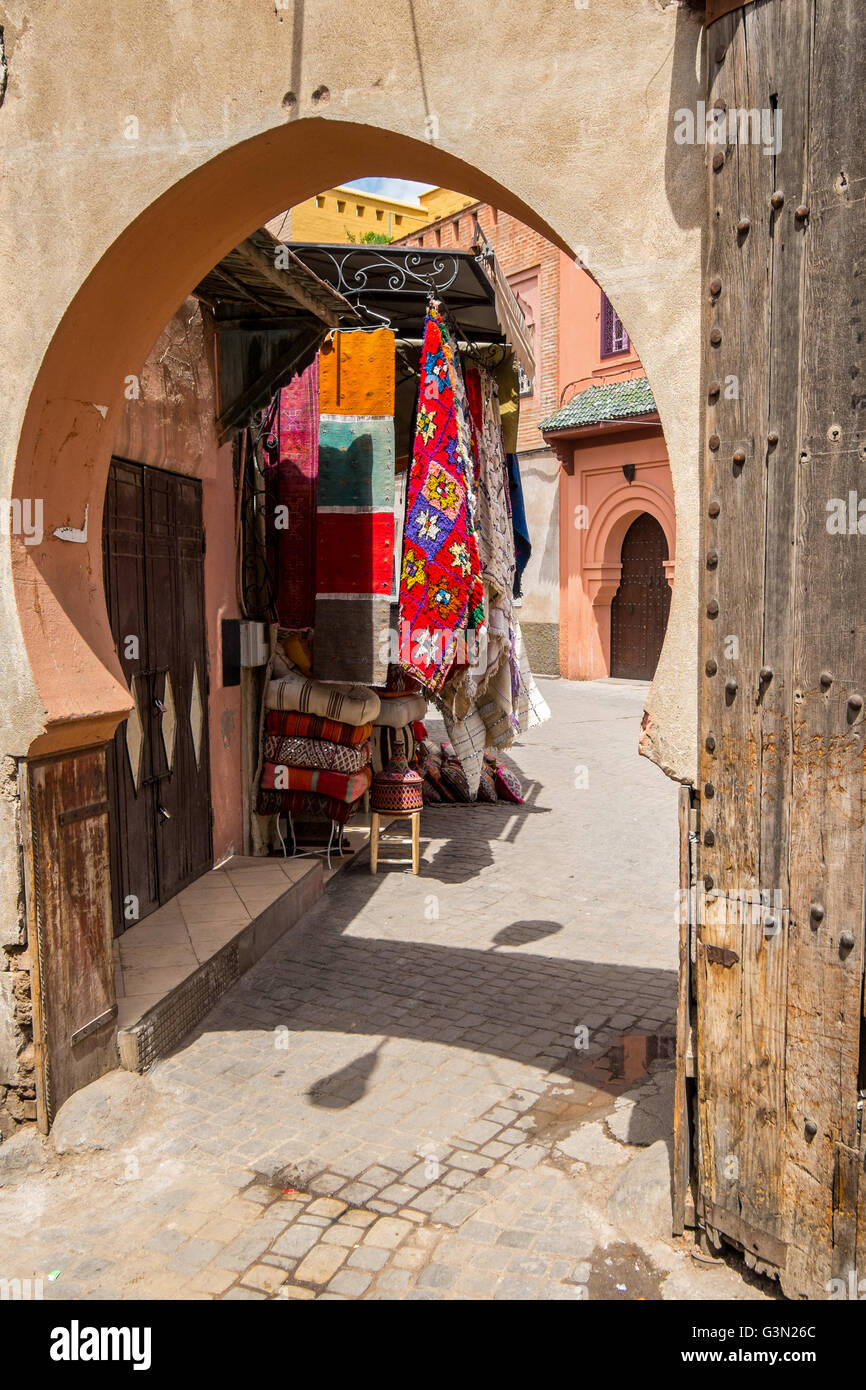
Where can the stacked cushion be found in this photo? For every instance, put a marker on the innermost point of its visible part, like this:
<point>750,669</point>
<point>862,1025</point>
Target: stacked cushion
<point>317,747</point>
<point>305,806</point>
<point>396,711</point>
<point>339,786</point>
<point>316,752</point>
<point>349,704</point>
<point>311,726</point>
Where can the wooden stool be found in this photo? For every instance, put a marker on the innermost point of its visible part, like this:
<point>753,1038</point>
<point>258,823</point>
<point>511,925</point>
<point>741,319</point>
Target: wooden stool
<point>414,817</point>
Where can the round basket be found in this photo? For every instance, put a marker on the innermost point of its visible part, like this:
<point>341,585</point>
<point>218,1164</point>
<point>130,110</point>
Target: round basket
<point>397,790</point>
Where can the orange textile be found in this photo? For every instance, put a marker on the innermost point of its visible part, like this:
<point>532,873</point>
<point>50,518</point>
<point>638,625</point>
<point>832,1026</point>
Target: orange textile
<point>356,374</point>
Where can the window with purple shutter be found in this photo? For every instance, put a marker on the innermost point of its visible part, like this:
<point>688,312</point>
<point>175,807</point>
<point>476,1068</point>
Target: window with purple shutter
<point>613,336</point>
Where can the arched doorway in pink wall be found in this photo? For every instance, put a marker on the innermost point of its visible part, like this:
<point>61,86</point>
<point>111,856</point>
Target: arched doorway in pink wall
<point>610,476</point>
<point>640,607</point>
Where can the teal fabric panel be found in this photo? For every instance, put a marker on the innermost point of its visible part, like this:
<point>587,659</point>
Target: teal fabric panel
<point>356,462</point>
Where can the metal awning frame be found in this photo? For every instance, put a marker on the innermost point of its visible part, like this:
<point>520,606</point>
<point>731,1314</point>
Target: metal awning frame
<point>391,286</point>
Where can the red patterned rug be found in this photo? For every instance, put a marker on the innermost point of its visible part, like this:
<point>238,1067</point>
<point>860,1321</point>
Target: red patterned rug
<point>441,595</point>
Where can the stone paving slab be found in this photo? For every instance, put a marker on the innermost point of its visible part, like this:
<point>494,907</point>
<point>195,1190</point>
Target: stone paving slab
<point>428,1087</point>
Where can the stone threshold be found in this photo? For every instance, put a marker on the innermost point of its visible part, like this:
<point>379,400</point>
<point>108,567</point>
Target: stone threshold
<point>173,967</point>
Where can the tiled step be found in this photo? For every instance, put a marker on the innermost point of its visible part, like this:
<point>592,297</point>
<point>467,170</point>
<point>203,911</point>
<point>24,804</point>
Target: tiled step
<point>175,965</point>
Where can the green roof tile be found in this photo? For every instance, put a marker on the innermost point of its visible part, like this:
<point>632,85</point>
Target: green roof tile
<point>614,400</point>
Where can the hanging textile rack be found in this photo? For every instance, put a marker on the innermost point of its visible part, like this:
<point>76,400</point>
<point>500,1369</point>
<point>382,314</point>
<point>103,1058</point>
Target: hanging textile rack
<point>390,286</point>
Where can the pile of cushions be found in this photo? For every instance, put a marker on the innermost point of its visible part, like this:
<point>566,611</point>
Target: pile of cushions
<point>317,747</point>
<point>446,781</point>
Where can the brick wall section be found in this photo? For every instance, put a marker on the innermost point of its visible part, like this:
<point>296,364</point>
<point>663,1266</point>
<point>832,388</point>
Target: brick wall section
<point>518,248</point>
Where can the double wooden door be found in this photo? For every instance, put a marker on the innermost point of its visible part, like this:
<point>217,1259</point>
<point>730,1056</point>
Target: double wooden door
<point>641,604</point>
<point>159,775</point>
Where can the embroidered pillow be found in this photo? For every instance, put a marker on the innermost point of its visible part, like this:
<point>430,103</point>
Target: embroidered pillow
<point>315,752</point>
<point>507,785</point>
<point>487,785</point>
<point>453,775</point>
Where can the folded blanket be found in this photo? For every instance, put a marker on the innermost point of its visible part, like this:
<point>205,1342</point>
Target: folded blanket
<point>341,786</point>
<point>311,726</point>
<point>351,704</point>
<point>316,752</point>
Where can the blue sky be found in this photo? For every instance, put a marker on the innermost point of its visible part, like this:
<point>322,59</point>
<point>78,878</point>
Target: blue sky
<point>403,189</point>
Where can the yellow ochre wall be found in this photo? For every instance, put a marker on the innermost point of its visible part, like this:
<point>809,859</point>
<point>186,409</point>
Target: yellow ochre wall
<point>332,215</point>
<point>349,210</point>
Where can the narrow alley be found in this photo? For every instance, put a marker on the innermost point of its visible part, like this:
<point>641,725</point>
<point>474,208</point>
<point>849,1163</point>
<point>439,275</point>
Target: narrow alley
<point>450,1086</point>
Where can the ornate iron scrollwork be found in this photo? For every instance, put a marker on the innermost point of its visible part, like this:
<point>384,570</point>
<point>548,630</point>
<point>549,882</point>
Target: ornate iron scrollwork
<point>355,271</point>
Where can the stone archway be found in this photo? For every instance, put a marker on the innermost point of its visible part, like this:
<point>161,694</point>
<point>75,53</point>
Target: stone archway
<point>316,109</point>
<point>68,427</point>
<point>147,149</point>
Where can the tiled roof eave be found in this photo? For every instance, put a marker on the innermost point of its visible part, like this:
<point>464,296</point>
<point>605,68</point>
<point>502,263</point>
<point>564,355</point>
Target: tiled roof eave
<point>605,402</point>
<point>589,426</point>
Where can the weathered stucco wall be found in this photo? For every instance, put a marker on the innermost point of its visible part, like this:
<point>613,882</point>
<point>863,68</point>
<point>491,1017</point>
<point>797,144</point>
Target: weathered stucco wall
<point>142,142</point>
<point>539,476</point>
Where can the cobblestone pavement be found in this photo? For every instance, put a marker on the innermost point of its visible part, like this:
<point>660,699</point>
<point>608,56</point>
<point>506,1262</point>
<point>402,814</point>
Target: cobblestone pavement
<point>431,1086</point>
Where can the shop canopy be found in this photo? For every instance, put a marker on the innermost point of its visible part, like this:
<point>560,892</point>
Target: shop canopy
<point>275,303</point>
<point>391,285</point>
<point>272,315</point>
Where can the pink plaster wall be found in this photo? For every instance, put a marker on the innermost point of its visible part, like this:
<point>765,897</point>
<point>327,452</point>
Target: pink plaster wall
<point>590,558</point>
<point>170,426</point>
<point>580,358</point>
<point>590,554</point>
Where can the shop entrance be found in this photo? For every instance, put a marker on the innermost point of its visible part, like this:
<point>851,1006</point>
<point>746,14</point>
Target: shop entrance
<point>640,607</point>
<point>159,782</point>
<point>153,539</point>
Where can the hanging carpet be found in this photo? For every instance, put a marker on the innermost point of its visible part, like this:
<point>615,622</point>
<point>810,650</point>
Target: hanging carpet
<point>291,460</point>
<point>355,518</point>
<point>491,703</point>
<point>522,543</point>
<point>441,594</point>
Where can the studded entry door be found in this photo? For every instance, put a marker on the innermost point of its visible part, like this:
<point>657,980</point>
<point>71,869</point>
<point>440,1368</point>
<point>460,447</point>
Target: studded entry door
<point>640,607</point>
<point>159,762</point>
<point>777,932</point>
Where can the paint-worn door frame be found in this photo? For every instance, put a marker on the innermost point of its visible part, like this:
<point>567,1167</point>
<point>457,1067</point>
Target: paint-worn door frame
<point>65,842</point>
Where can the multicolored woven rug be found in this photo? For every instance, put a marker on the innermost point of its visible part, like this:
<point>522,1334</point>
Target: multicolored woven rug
<point>355,519</point>
<point>441,594</point>
<point>290,482</point>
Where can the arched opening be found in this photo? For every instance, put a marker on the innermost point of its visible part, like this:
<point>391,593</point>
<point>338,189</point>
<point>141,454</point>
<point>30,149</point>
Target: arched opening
<point>69,428</point>
<point>173,226</point>
<point>78,418</point>
<point>74,405</point>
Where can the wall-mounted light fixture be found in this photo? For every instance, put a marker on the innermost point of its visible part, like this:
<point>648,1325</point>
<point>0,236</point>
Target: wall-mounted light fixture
<point>628,472</point>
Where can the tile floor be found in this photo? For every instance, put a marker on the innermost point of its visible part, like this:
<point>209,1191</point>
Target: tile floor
<point>156,955</point>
